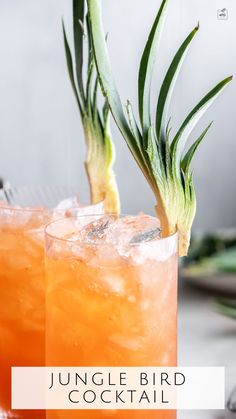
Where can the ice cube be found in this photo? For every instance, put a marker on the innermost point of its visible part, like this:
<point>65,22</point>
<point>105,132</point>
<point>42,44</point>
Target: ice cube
<point>96,230</point>
<point>37,234</point>
<point>71,207</point>
<point>114,283</point>
<point>132,343</point>
<point>146,236</point>
<point>134,229</point>
<point>95,209</point>
<point>68,203</point>
<point>160,251</point>
<point>77,208</point>
<point>129,231</point>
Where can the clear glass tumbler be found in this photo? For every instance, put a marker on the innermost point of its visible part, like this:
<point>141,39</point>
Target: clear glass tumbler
<point>22,281</point>
<point>111,299</point>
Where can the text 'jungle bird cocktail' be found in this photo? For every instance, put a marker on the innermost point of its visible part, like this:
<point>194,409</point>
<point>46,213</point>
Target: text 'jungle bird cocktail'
<point>111,298</point>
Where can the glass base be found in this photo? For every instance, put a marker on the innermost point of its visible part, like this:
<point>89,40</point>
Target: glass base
<point>22,414</point>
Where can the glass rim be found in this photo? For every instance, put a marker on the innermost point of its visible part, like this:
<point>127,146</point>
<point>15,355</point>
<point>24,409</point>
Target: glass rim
<point>41,205</point>
<point>26,209</point>
<point>48,210</point>
<point>96,243</point>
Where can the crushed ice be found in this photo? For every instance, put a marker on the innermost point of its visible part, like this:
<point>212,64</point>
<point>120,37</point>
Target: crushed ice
<point>129,239</point>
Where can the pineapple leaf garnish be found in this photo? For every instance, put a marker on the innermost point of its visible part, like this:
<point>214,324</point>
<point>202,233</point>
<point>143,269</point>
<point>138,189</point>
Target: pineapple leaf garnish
<point>100,150</point>
<point>168,85</point>
<point>160,155</point>
<point>70,68</point>
<point>147,67</point>
<point>191,121</point>
<point>187,159</point>
<point>78,30</point>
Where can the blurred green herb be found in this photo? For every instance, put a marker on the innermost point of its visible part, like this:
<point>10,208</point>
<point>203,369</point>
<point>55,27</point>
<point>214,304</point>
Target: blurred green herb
<point>221,262</point>
<point>226,307</point>
<point>203,246</point>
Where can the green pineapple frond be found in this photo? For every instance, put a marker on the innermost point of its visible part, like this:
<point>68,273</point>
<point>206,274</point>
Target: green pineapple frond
<point>162,157</point>
<point>100,149</point>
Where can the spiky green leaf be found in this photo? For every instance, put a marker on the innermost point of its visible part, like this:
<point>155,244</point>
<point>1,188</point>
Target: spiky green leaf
<point>160,163</point>
<point>78,19</point>
<point>106,113</point>
<point>168,86</point>
<point>95,95</point>
<point>186,162</point>
<point>191,121</point>
<point>147,66</point>
<point>154,159</point>
<point>90,46</point>
<point>106,79</point>
<point>70,68</point>
<point>89,88</point>
<point>133,124</point>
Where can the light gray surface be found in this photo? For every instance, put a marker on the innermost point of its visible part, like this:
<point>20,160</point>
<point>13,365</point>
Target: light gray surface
<point>205,339</point>
<point>41,139</point>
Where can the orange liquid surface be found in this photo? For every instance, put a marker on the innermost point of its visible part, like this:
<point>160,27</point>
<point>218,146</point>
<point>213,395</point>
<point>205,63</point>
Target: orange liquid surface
<point>113,316</point>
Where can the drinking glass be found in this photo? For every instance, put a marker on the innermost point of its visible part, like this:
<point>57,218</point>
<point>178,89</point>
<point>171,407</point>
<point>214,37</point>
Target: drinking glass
<point>111,299</point>
<point>22,280</point>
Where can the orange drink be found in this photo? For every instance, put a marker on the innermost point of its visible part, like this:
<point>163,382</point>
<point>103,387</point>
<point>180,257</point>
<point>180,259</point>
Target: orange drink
<point>22,296</point>
<point>111,299</point>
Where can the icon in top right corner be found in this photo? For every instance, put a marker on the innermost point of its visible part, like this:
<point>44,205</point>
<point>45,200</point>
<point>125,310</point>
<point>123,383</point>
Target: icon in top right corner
<point>222,14</point>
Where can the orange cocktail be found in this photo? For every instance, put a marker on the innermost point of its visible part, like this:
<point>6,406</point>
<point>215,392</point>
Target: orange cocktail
<point>22,290</point>
<point>111,299</point>
<point>22,297</point>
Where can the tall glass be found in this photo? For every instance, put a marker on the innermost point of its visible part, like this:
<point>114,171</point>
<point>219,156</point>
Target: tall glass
<point>111,299</point>
<point>22,286</point>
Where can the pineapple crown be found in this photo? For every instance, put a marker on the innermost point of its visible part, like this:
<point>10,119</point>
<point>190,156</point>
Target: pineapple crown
<point>162,157</point>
